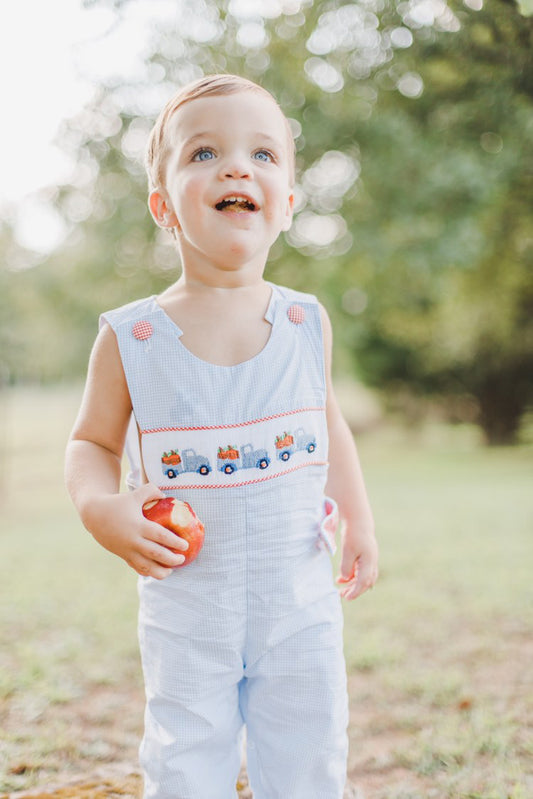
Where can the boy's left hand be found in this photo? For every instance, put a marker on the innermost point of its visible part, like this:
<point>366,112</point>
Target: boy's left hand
<point>359,564</point>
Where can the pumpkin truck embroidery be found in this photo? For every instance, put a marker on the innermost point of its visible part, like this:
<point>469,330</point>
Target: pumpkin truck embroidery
<point>287,444</point>
<point>231,458</point>
<point>174,463</point>
<point>235,454</point>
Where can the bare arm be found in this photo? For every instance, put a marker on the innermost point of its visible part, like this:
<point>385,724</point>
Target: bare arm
<point>359,563</point>
<point>93,467</point>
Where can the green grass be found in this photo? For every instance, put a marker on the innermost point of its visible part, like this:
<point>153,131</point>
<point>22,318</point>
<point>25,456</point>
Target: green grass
<point>438,653</point>
<point>442,643</point>
<point>66,597</point>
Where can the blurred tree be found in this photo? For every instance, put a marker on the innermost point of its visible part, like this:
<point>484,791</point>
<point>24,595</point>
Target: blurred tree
<point>20,310</point>
<point>452,312</point>
<point>413,126</point>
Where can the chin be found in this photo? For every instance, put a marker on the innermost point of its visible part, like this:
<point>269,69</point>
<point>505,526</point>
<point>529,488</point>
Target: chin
<point>228,255</point>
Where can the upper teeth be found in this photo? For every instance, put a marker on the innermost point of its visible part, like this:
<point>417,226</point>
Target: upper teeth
<point>241,203</point>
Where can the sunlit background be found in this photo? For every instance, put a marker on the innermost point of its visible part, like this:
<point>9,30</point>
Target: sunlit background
<point>413,128</point>
<point>49,77</point>
<point>51,57</point>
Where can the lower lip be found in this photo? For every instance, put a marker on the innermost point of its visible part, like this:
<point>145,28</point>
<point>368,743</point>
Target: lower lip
<point>237,214</point>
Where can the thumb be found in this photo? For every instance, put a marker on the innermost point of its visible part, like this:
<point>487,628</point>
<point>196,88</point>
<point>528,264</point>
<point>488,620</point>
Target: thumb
<point>148,492</point>
<point>348,566</point>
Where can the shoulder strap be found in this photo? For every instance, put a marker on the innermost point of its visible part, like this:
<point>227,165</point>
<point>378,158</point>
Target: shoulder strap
<point>291,295</point>
<point>128,313</point>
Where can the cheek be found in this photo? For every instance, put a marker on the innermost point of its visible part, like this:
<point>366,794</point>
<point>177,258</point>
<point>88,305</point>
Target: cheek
<point>278,196</point>
<point>188,201</point>
<point>277,211</point>
<point>188,189</point>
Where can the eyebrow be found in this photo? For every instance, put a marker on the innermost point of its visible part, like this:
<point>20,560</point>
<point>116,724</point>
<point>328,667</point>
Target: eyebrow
<point>205,134</point>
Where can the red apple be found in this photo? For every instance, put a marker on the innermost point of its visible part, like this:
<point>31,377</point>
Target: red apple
<point>179,518</point>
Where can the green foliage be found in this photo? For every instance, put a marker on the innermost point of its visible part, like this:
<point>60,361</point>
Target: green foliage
<point>414,208</point>
<point>452,314</point>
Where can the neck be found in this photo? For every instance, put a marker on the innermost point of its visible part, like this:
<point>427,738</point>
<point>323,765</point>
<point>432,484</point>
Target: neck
<point>230,270</point>
<point>192,285</point>
<point>213,277</point>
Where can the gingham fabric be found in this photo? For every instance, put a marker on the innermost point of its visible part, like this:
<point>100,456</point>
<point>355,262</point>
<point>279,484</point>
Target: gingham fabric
<point>251,632</point>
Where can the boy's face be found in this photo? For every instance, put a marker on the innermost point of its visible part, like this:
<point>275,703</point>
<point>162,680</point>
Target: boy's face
<point>227,189</point>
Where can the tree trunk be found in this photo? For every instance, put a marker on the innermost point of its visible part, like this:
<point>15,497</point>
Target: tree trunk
<point>502,406</point>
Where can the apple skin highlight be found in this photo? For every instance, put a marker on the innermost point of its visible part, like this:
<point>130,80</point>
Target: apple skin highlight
<point>179,518</point>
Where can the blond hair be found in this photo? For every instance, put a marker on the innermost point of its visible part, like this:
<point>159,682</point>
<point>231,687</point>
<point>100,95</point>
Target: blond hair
<point>209,85</point>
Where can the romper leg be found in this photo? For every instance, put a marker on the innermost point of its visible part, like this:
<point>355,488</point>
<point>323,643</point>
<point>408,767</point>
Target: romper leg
<point>295,706</point>
<point>194,751</point>
<point>192,741</point>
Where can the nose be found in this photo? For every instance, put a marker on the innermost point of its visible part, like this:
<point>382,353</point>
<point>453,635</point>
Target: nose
<point>236,165</point>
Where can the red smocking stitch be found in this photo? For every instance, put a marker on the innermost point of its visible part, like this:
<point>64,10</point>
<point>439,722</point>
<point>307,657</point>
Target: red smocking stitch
<point>244,482</point>
<point>227,426</point>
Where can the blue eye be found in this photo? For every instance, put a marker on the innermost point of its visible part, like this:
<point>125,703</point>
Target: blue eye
<point>264,155</point>
<point>203,155</point>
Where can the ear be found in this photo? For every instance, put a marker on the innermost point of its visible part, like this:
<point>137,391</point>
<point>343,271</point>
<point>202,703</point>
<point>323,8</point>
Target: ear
<point>289,210</point>
<point>161,211</point>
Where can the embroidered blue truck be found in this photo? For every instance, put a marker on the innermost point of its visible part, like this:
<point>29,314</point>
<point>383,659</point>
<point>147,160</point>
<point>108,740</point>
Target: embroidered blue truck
<point>231,459</point>
<point>289,443</point>
<point>174,463</point>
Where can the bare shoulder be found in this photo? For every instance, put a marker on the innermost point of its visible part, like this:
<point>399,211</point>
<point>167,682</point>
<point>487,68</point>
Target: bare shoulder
<point>333,411</point>
<point>105,355</point>
<point>324,318</point>
<point>327,333</point>
<point>106,405</point>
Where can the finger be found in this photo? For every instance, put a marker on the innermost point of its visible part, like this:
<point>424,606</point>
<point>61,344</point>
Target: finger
<point>161,554</point>
<point>351,577</point>
<point>347,586</point>
<point>354,591</point>
<point>148,492</point>
<point>166,538</point>
<point>147,568</point>
<point>153,491</point>
<point>364,582</point>
<point>348,565</point>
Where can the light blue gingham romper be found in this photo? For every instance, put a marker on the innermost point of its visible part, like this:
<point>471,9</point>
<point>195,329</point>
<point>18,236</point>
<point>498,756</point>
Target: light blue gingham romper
<point>251,632</point>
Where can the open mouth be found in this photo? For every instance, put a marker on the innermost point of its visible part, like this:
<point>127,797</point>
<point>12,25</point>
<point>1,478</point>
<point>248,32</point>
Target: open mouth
<point>236,203</point>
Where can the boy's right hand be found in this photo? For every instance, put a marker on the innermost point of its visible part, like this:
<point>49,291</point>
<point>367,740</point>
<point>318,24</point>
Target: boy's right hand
<point>117,522</point>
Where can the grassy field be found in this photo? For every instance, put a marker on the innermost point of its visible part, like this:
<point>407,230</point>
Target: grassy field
<point>439,654</point>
